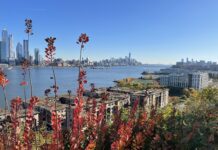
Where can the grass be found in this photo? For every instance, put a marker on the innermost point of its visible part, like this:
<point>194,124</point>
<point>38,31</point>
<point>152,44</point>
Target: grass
<point>138,84</point>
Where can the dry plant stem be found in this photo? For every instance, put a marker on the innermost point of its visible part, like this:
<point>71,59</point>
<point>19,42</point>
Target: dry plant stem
<point>6,102</point>
<point>80,64</point>
<point>30,79</point>
<point>80,58</point>
<point>46,126</point>
<point>55,92</point>
<point>24,91</point>
<point>6,108</point>
<point>31,87</point>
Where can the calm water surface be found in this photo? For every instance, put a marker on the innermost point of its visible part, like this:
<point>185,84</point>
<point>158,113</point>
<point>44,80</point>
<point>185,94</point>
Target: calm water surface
<point>67,78</point>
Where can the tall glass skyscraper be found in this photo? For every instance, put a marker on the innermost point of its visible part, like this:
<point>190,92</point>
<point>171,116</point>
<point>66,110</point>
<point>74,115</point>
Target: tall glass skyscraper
<point>37,57</point>
<point>19,51</point>
<point>10,47</point>
<point>0,50</point>
<point>4,46</point>
<point>26,49</point>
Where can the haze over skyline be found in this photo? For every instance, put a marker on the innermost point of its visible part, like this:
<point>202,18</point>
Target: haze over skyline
<point>154,31</point>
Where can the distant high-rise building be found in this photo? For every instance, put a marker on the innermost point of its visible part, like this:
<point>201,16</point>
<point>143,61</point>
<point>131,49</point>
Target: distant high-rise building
<point>19,51</point>
<point>37,56</point>
<point>4,46</point>
<point>0,50</point>
<point>11,53</point>
<point>129,58</point>
<point>26,49</point>
<point>4,57</point>
<point>10,47</point>
<point>31,60</point>
<point>41,59</point>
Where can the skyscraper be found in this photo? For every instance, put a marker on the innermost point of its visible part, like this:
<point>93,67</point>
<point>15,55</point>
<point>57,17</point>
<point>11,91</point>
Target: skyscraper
<point>4,46</point>
<point>0,50</point>
<point>37,57</point>
<point>129,58</point>
<point>19,51</point>
<point>11,53</point>
<point>26,49</point>
<point>10,47</point>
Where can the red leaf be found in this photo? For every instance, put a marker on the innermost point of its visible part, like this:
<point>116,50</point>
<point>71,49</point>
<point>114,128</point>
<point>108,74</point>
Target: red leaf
<point>23,83</point>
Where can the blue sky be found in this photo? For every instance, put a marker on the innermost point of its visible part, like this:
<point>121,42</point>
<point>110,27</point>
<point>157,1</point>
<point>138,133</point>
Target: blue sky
<point>154,31</point>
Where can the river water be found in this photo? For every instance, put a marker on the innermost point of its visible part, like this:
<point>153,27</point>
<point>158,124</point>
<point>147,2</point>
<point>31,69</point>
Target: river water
<point>67,78</point>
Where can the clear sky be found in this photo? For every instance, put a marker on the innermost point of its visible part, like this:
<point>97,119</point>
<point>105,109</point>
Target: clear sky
<point>154,31</point>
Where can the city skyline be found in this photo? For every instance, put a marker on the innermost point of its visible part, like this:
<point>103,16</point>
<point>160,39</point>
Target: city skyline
<point>13,55</point>
<point>154,32</point>
<point>8,51</point>
<point>8,56</point>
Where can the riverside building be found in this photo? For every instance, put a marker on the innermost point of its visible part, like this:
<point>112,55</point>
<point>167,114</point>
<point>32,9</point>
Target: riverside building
<point>196,80</point>
<point>45,109</point>
<point>21,115</point>
<point>147,98</point>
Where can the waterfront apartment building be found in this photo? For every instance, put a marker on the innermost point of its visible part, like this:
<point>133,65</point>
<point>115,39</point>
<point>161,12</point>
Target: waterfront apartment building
<point>174,80</point>
<point>45,109</point>
<point>157,98</point>
<point>147,98</point>
<point>196,80</point>
<point>21,115</point>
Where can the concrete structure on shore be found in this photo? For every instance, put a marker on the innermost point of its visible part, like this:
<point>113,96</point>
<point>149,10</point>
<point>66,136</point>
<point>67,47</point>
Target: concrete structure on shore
<point>46,107</point>
<point>147,98</point>
<point>157,98</point>
<point>20,115</point>
<point>112,100</point>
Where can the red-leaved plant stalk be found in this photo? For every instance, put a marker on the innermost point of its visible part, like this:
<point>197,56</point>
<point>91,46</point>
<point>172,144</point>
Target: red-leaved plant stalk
<point>25,65</point>
<point>125,130</point>
<point>49,54</point>
<point>15,120</point>
<point>83,39</point>
<point>56,126</point>
<point>29,32</point>
<point>29,122</point>
<point>91,124</point>
<point>78,118</point>
<point>95,126</point>
<point>3,83</point>
<point>77,135</point>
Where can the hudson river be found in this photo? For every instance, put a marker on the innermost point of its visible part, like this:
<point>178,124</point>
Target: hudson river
<point>67,79</point>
